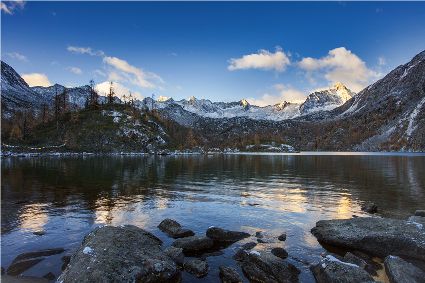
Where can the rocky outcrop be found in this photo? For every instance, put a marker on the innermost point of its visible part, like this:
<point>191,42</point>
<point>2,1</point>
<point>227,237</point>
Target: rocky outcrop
<point>194,244</point>
<point>260,266</point>
<point>376,236</point>
<point>174,229</point>
<point>197,267</point>
<point>401,271</point>
<point>120,254</point>
<point>229,275</point>
<point>226,236</point>
<point>332,270</point>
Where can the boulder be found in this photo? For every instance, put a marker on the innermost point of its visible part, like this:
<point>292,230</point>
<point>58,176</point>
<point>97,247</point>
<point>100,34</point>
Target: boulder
<point>259,266</point>
<point>401,271</point>
<point>120,254</point>
<point>229,275</point>
<point>227,236</point>
<point>174,229</point>
<point>175,254</point>
<point>376,236</point>
<point>370,207</point>
<point>332,270</point>
<point>194,244</point>
<point>249,246</point>
<point>420,213</point>
<point>352,258</point>
<point>197,267</point>
<point>282,237</point>
<point>25,261</point>
<point>280,252</point>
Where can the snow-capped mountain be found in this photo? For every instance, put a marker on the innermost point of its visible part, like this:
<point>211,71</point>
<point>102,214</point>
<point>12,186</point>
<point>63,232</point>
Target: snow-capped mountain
<point>326,99</point>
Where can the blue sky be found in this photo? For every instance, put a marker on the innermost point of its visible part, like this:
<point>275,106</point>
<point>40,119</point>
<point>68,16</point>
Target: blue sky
<point>223,51</point>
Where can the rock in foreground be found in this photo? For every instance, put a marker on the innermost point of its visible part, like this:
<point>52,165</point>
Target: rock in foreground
<point>229,275</point>
<point>401,271</point>
<point>266,267</point>
<point>120,254</point>
<point>174,229</point>
<point>377,236</point>
<point>222,235</point>
<point>332,270</point>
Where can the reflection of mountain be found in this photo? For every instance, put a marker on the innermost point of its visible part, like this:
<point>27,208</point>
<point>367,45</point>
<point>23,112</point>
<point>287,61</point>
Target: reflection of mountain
<point>109,186</point>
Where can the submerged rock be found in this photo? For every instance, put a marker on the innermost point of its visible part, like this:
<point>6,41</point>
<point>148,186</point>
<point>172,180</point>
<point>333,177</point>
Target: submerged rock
<point>332,270</point>
<point>266,267</point>
<point>249,246</point>
<point>370,207</point>
<point>401,271</point>
<point>194,244</point>
<point>222,235</point>
<point>420,213</point>
<point>280,252</point>
<point>197,267</point>
<point>120,254</point>
<point>282,237</point>
<point>174,229</point>
<point>229,275</point>
<point>376,236</point>
<point>25,261</point>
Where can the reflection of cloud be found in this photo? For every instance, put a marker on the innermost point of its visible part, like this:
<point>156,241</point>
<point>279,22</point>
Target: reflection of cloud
<point>33,217</point>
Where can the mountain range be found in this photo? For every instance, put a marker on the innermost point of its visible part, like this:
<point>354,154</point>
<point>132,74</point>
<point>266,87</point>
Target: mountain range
<point>387,115</point>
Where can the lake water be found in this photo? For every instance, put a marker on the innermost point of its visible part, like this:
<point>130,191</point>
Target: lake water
<point>67,197</point>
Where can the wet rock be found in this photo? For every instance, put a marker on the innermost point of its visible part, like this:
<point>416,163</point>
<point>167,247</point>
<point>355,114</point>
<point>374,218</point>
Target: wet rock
<point>370,207</point>
<point>259,234</point>
<point>401,271</point>
<point>376,236</point>
<point>197,267</point>
<point>39,233</point>
<point>65,261</point>
<point>352,258</point>
<point>22,279</point>
<point>49,276</point>
<point>282,237</point>
<point>249,246</point>
<point>229,275</point>
<point>175,254</point>
<point>279,252</point>
<point>420,213</point>
<point>222,235</point>
<point>214,253</point>
<point>332,270</point>
<point>174,229</point>
<point>266,240</point>
<point>372,266</point>
<point>194,244</point>
<point>266,267</point>
<point>25,261</point>
<point>120,254</point>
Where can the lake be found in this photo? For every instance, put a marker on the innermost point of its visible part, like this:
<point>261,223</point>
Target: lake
<point>66,197</point>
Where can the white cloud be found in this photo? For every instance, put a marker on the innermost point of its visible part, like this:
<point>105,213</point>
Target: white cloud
<point>85,50</point>
<point>99,73</point>
<point>75,70</point>
<point>279,94</point>
<point>119,89</point>
<point>126,72</point>
<point>9,7</point>
<point>263,60</point>
<point>340,65</point>
<point>36,79</point>
<point>18,56</point>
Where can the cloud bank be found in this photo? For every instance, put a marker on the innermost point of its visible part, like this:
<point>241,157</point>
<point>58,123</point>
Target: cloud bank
<point>262,60</point>
<point>36,79</point>
<point>279,93</point>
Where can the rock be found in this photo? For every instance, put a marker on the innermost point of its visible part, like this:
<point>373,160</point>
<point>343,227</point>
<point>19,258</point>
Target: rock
<point>39,233</point>
<point>351,258</point>
<point>222,235</point>
<point>376,236</point>
<point>401,271</point>
<point>279,252</point>
<point>22,279</point>
<point>259,234</point>
<point>65,259</point>
<point>265,240</point>
<point>282,237</point>
<point>229,275</point>
<point>2,270</point>
<point>197,267</point>
<point>371,266</point>
<point>194,244</point>
<point>120,254</point>
<point>420,213</point>
<point>370,207</point>
<point>209,254</point>
<point>175,254</point>
<point>266,267</point>
<point>25,261</point>
<point>49,276</point>
<point>249,246</point>
<point>174,229</point>
<point>332,270</point>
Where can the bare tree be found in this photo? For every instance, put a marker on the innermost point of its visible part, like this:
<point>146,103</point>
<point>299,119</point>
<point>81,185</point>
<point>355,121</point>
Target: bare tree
<point>111,93</point>
<point>94,96</point>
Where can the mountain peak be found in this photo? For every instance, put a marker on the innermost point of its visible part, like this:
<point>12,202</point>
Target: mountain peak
<point>244,102</point>
<point>162,98</point>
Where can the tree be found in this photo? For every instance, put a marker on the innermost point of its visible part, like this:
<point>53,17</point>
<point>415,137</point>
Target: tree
<point>44,112</point>
<point>111,93</point>
<point>94,96</point>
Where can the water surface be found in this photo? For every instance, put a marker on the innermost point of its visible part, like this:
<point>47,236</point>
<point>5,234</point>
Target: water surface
<point>67,197</point>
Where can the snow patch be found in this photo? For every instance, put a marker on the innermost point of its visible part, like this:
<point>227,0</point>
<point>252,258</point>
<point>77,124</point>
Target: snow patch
<point>411,127</point>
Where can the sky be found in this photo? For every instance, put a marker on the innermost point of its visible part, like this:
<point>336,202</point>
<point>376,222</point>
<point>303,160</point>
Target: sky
<point>266,52</point>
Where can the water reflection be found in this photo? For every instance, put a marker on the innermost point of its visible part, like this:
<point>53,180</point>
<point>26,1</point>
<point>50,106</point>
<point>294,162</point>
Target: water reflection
<point>67,197</point>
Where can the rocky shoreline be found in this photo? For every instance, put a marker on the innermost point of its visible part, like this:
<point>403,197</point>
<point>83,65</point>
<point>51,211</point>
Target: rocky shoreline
<point>368,246</point>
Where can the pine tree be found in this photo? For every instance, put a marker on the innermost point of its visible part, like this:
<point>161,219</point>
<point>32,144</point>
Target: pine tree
<point>111,93</point>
